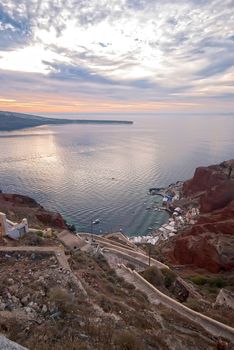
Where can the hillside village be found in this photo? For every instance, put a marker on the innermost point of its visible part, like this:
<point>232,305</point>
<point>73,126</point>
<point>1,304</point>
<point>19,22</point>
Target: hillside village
<point>82,291</point>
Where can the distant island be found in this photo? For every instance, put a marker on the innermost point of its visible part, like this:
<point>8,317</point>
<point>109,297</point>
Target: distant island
<point>10,121</point>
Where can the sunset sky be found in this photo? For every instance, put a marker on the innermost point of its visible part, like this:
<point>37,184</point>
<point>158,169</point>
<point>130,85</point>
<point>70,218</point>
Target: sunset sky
<point>88,56</point>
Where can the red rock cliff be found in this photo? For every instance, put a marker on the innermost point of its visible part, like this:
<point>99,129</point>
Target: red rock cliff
<point>209,243</point>
<point>17,207</point>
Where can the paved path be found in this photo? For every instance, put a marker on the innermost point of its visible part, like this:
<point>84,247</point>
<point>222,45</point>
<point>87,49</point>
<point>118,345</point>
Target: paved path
<point>70,240</point>
<point>134,256</point>
<point>126,252</point>
<point>155,296</point>
<point>214,327</point>
<point>106,241</point>
<point>82,240</point>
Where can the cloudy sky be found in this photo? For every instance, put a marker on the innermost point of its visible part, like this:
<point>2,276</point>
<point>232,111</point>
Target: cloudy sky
<point>117,56</point>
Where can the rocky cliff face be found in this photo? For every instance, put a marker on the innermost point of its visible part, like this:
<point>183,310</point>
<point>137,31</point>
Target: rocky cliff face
<point>209,243</point>
<point>16,207</point>
<point>205,178</point>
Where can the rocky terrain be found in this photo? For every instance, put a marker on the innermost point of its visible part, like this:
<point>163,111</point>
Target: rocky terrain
<point>90,292</point>
<point>209,242</point>
<point>16,207</point>
<point>41,307</point>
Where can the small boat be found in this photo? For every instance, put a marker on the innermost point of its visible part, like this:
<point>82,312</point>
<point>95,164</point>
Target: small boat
<point>148,208</point>
<point>95,222</point>
<point>150,228</point>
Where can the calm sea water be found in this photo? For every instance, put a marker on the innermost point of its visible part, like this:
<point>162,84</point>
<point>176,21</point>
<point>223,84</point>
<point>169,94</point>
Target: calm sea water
<point>104,171</point>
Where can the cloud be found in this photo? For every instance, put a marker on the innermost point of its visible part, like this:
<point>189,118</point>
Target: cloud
<point>14,30</point>
<point>119,50</point>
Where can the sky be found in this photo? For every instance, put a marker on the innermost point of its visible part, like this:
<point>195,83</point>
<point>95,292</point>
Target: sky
<point>117,56</point>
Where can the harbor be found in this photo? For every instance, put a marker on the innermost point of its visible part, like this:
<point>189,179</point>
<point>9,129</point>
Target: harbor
<point>179,216</point>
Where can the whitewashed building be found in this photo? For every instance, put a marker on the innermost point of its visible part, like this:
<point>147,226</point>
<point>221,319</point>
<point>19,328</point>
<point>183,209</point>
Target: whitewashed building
<point>12,229</point>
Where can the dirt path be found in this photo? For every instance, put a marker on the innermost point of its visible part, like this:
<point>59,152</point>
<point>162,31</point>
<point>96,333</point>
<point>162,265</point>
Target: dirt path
<point>56,251</point>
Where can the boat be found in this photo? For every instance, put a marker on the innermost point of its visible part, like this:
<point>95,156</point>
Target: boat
<point>96,221</point>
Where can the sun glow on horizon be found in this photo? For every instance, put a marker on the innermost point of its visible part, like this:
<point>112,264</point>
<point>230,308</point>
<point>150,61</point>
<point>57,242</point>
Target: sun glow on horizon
<point>142,55</point>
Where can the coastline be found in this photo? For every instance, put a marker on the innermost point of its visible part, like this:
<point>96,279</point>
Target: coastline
<point>111,272</point>
<point>180,216</point>
<point>10,121</point>
<point>167,230</point>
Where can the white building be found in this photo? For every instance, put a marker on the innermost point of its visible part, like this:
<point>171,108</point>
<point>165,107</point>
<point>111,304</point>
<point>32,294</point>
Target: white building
<point>12,229</point>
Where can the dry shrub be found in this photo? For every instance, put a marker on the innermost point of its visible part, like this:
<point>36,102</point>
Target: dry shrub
<point>110,288</point>
<point>169,277</point>
<point>11,327</point>
<point>105,303</point>
<point>141,297</point>
<point>213,282</point>
<point>54,335</point>
<point>67,342</point>
<point>154,276</point>
<point>199,280</point>
<point>194,305</point>
<point>111,279</point>
<point>127,285</point>
<point>62,300</point>
<point>102,262</point>
<point>33,239</point>
<point>2,288</point>
<point>127,340</point>
<point>222,344</point>
<point>217,282</point>
<point>140,321</point>
<point>100,332</point>
<point>79,257</point>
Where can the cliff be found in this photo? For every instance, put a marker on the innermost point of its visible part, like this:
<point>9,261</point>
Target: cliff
<point>66,292</point>
<point>209,242</point>
<point>16,207</point>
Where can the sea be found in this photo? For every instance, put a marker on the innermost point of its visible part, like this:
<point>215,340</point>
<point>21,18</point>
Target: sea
<point>104,172</point>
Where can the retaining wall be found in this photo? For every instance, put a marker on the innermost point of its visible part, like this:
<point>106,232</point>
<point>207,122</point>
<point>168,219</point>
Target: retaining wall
<point>214,327</point>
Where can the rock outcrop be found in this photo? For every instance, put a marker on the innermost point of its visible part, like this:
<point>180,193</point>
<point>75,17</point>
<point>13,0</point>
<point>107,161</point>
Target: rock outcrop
<point>217,197</point>
<point>209,242</point>
<point>7,344</point>
<point>205,178</point>
<point>226,298</point>
<point>49,218</point>
<point>17,207</point>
